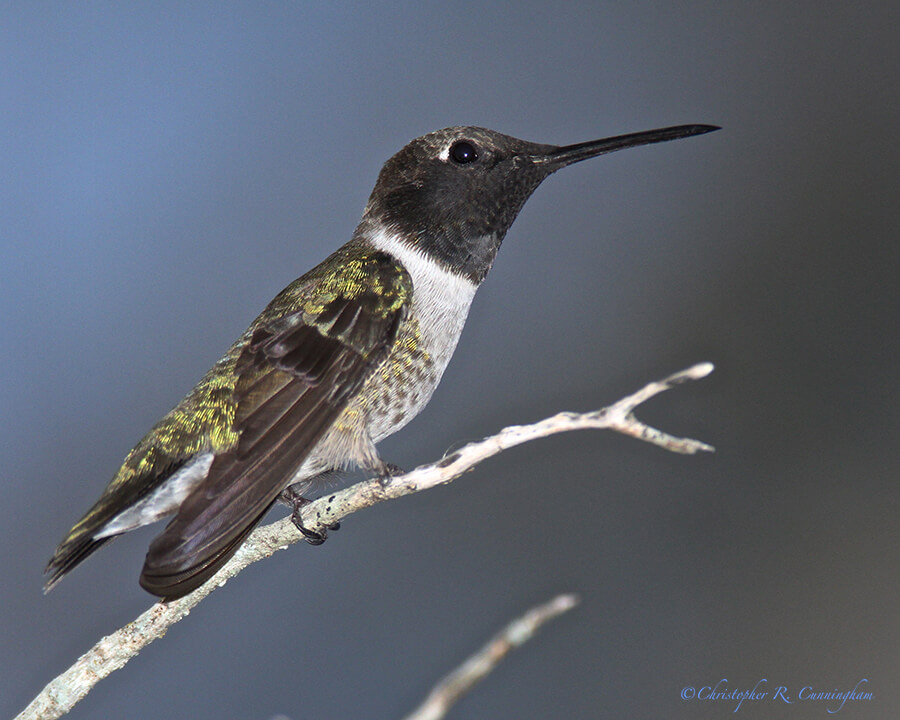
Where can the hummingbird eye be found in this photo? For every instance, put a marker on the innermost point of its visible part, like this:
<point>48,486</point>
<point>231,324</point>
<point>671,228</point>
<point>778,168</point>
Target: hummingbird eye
<point>463,152</point>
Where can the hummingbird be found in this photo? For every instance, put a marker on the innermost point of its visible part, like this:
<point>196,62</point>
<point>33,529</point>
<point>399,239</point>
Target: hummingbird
<point>340,359</point>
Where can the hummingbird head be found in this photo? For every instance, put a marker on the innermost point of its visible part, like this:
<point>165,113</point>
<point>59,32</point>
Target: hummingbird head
<point>454,193</point>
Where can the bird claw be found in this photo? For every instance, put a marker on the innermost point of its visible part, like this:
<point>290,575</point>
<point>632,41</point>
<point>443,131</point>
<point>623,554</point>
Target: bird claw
<point>388,471</point>
<point>297,503</point>
<point>311,536</point>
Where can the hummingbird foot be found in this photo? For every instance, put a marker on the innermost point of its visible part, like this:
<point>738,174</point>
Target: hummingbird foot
<point>388,470</point>
<point>297,502</point>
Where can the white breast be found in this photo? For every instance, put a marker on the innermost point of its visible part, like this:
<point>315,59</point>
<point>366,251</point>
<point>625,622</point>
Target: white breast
<point>441,298</point>
<point>441,301</point>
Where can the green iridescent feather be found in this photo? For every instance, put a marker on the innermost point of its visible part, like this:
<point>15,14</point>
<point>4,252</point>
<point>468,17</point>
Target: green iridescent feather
<point>205,419</point>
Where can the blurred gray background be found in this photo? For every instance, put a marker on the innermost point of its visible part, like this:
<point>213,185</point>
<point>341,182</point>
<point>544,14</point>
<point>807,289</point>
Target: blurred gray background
<point>167,170</point>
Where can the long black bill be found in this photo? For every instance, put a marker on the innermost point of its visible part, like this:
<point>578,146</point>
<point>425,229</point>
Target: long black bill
<point>568,154</point>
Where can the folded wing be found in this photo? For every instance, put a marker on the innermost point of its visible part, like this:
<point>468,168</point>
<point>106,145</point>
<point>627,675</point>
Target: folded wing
<point>296,375</point>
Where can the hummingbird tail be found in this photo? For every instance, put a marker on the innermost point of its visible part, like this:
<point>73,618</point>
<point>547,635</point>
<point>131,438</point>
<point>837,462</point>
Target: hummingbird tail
<point>70,554</point>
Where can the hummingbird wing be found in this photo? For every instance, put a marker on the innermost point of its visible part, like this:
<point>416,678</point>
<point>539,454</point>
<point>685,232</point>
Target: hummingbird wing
<point>296,374</point>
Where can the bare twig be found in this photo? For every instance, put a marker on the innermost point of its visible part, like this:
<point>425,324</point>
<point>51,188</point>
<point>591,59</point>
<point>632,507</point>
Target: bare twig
<point>451,688</point>
<point>113,651</point>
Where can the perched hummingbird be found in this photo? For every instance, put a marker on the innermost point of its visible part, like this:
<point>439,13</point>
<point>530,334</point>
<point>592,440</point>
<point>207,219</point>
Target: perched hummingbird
<point>340,359</point>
